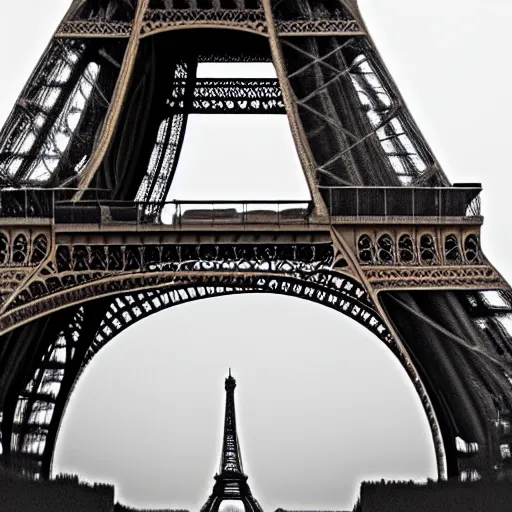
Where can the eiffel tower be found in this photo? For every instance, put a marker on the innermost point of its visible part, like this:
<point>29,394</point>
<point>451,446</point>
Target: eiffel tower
<point>231,482</point>
<point>91,148</point>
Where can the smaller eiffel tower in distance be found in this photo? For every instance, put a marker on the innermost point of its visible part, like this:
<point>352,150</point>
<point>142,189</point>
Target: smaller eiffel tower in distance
<point>231,482</point>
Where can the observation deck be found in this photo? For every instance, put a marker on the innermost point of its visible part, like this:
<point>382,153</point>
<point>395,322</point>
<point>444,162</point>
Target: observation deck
<point>459,204</point>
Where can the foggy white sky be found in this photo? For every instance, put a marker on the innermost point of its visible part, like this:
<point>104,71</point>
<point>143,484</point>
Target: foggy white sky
<point>321,404</point>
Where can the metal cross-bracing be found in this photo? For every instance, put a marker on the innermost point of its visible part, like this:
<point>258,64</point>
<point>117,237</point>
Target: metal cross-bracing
<point>89,245</point>
<point>231,482</point>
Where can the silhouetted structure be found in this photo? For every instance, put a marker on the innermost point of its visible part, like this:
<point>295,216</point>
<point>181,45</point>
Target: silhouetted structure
<point>286,510</point>
<point>122,508</point>
<point>231,482</point>
<point>64,494</point>
<point>444,496</point>
<point>89,153</point>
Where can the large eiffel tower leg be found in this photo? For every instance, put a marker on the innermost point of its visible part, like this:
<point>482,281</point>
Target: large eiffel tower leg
<point>468,352</point>
<point>36,398</point>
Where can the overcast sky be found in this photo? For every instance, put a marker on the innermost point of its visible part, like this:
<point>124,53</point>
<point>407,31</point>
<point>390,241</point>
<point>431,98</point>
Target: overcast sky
<point>321,403</point>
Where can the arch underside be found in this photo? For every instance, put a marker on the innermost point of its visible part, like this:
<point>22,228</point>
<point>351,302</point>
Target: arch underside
<point>31,424</point>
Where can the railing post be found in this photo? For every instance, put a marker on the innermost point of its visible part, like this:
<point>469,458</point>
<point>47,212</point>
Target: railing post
<point>357,203</point>
<point>330,203</point>
<point>26,204</point>
<point>385,204</point>
<point>413,204</point>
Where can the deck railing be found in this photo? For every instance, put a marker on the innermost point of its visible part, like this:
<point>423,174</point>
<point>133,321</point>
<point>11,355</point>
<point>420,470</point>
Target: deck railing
<point>343,203</point>
<point>184,212</point>
<point>440,202</point>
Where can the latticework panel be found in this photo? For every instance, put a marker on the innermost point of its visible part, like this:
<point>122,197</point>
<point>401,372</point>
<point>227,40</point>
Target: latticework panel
<point>106,10</point>
<point>357,126</point>
<point>52,354</point>
<point>164,157</point>
<point>156,20</point>
<point>420,247</point>
<point>51,131</point>
<point>37,401</point>
<point>231,96</point>
<point>205,4</point>
<point>467,365</point>
<point>285,10</point>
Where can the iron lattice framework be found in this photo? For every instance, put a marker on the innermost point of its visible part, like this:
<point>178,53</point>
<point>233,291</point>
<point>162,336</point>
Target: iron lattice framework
<point>231,482</point>
<point>89,245</point>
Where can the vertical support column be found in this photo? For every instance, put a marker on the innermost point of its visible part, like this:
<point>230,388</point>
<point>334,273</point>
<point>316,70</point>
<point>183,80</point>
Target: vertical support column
<point>305,156</point>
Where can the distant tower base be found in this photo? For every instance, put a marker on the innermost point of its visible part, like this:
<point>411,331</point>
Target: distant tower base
<point>231,486</point>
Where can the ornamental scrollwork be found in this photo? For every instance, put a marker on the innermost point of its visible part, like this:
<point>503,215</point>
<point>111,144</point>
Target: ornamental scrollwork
<point>472,248</point>
<point>452,249</point>
<point>406,252</point>
<point>230,96</point>
<point>156,20</point>
<point>319,26</point>
<point>385,249</point>
<point>111,268</point>
<point>483,276</point>
<point>329,288</point>
<point>97,28</point>
<point>23,249</point>
<point>426,250</point>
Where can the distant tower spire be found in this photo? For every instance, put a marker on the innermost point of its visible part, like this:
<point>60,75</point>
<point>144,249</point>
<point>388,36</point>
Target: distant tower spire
<point>231,457</point>
<point>231,482</point>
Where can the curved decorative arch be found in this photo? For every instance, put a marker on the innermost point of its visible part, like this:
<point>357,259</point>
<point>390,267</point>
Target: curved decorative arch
<point>385,247</point>
<point>428,251</point>
<point>405,250</point>
<point>328,288</point>
<point>256,28</point>
<point>366,248</point>
<point>472,248</point>
<point>452,248</point>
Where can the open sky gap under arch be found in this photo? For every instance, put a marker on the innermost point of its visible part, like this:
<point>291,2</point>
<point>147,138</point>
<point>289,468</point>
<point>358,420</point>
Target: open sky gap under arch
<point>321,404</point>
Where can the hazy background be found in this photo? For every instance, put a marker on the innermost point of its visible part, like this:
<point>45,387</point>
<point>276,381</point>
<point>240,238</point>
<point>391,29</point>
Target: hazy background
<point>321,403</point>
